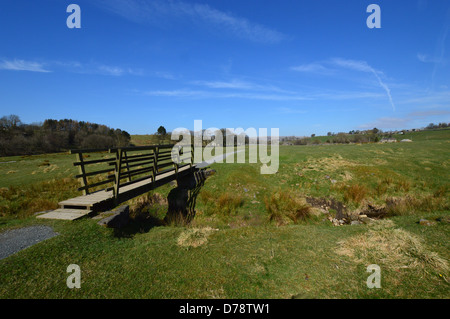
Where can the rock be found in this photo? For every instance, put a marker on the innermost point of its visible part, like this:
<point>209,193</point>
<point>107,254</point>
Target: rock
<point>119,218</point>
<point>362,216</point>
<point>355,222</point>
<point>173,183</point>
<point>337,222</point>
<point>426,222</point>
<point>366,220</point>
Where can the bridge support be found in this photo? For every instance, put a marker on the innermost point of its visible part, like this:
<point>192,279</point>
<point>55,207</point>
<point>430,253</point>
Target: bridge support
<point>182,199</point>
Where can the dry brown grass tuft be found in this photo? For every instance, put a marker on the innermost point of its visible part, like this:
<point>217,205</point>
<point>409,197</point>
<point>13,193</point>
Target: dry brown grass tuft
<point>206,196</point>
<point>355,193</point>
<point>332,163</point>
<point>388,180</point>
<point>408,205</point>
<point>229,203</point>
<point>392,247</point>
<point>403,185</point>
<point>441,192</point>
<point>284,206</point>
<point>381,189</point>
<point>225,204</point>
<point>194,237</point>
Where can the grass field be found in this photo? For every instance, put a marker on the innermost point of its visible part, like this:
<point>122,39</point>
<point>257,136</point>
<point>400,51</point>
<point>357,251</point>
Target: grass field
<point>253,236</point>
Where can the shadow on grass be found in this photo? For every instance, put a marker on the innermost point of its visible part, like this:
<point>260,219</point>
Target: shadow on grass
<point>140,224</point>
<point>180,211</point>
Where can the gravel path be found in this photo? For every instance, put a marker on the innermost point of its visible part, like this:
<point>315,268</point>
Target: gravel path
<point>13,241</point>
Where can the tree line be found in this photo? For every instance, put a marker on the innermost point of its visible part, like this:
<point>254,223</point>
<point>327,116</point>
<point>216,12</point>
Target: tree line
<point>17,138</point>
<point>433,126</point>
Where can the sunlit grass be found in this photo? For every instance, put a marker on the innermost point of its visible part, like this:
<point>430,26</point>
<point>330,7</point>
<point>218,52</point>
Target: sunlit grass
<point>253,235</point>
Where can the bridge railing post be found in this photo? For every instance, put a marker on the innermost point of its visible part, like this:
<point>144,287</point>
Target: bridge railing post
<point>192,156</point>
<point>82,171</point>
<point>155,162</point>
<point>128,165</point>
<point>178,149</point>
<point>117,174</point>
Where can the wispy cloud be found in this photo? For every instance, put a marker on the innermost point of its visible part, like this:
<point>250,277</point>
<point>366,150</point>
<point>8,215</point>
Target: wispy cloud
<point>116,71</point>
<point>348,95</point>
<point>427,59</point>
<point>238,26</point>
<point>165,75</point>
<point>159,12</point>
<point>111,70</point>
<point>427,99</point>
<point>312,68</point>
<point>95,68</point>
<point>417,118</point>
<point>275,96</point>
<point>429,113</point>
<point>387,123</point>
<point>288,110</point>
<point>177,93</point>
<point>440,47</point>
<point>363,66</point>
<point>240,85</point>
<point>22,65</point>
<point>332,66</point>
<point>203,94</point>
<point>233,84</point>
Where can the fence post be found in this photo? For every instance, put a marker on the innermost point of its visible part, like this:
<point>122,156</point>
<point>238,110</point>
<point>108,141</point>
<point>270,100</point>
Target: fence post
<point>117,174</point>
<point>83,172</point>
<point>177,162</point>
<point>192,156</point>
<point>128,166</point>
<point>156,159</point>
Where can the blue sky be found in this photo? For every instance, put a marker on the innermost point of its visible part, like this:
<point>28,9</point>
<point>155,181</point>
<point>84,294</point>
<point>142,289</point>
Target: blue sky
<point>301,66</point>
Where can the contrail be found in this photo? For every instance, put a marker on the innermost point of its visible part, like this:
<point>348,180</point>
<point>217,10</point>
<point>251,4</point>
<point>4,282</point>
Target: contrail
<point>385,87</point>
<point>364,67</point>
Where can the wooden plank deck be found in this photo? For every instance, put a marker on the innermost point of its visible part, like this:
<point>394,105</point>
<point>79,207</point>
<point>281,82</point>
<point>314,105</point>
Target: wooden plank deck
<point>65,214</point>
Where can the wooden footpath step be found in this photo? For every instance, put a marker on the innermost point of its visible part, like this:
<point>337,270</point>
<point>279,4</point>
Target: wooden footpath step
<point>87,202</point>
<point>65,214</point>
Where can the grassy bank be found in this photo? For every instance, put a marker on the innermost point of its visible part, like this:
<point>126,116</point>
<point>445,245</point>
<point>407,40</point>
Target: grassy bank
<point>253,236</point>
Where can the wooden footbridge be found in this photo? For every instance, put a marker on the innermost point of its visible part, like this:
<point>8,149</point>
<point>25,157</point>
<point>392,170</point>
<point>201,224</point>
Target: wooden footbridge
<point>112,176</point>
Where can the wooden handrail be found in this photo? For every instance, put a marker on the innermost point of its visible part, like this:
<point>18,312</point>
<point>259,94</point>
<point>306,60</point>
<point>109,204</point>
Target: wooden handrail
<point>133,167</point>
